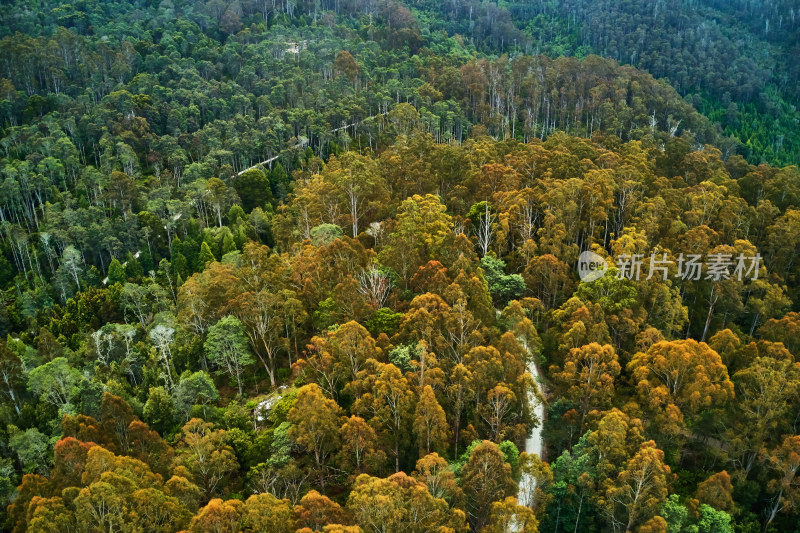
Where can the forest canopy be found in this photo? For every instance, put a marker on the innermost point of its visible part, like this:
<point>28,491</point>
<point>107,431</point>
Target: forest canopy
<point>314,266</point>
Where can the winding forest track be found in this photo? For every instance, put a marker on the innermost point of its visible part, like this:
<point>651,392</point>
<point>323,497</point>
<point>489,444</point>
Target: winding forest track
<point>302,144</point>
<point>535,441</point>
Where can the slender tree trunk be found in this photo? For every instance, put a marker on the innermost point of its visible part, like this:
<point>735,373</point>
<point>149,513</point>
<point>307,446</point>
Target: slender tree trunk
<point>774,510</point>
<point>712,302</point>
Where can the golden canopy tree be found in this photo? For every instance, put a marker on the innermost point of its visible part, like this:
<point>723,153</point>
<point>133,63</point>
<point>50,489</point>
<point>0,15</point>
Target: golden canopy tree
<point>547,278</point>
<point>265,512</point>
<point>517,318</point>
<point>204,452</point>
<point>315,426</point>
<point>260,512</point>
<point>49,514</point>
<point>728,345</point>
<point>495,177</point>
<point>577,323</point>
<point>431,277</point>
<point>784,464</point>
<point>317,269</point>
<point>315,202</point>
<point>425,369</point>
<point>435,473</point>
<point>587,377</point>
<point>315,511</point>
<point>204,297</point>
<point>259,269</point>
<point>767,392</point>
<point>499,403</point>
<point>449,331</point>
<point>536,477</point>
<point>119,431</point>
<point>385,398</point>
<point>614,439</point>
<point>411,165</point>
<point>555,239</point>
<point>784,241</point>
<point>785,330</point>
<point>459,392</point>
<point>218,516</point>
<point>430,423</point>
<point>18,511</point>
<point>157,511</point>
<point>420,231</point>
<point>638,491</point>
<point>359,185</point>
<point>400,503</point>
<point>320,368</point>
<point>105,500</point>
<point>716,491</point>
<point>113,492</point>
<point>359,446</point>
<point>485,478</point>
<point>507,515</point>
<point>486,366</point>
<point>350,345</point>
<point>684,375</point>
<point>345,65</point>
<point>519,213</point>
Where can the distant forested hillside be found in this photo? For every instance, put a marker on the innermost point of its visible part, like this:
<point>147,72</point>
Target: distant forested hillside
<point>735,61</point>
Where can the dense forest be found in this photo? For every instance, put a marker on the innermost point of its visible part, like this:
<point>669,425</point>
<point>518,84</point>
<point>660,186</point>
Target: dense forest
<point>282,266</point>
<point>734,60</point>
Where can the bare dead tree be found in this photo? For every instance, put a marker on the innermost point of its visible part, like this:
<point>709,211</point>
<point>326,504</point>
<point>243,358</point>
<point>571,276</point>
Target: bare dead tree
<point>374,285</point>
<point>485,230</point>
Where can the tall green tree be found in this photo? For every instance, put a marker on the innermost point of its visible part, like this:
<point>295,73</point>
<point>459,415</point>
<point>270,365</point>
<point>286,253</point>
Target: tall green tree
<point>226,346</point>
